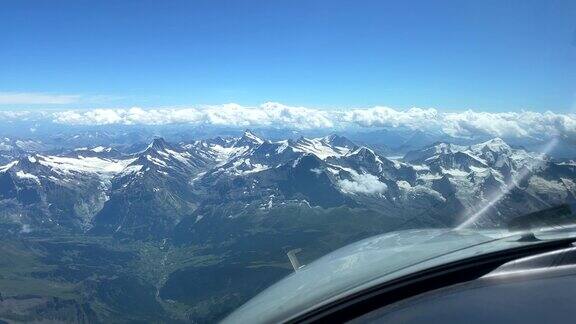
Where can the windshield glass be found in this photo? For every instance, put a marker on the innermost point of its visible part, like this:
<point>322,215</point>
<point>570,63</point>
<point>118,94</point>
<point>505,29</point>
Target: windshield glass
<point>168,162</point>
<point>372,261</point>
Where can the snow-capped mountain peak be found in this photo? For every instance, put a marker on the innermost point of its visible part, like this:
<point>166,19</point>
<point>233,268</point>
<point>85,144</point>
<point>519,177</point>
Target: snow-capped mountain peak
<point>432,151</point>
<point>338,141</point>
<point>158,144</point>
<point>495,145</point>
<point>248,139</point>
<point>321,147</point>
<point>363,152</point>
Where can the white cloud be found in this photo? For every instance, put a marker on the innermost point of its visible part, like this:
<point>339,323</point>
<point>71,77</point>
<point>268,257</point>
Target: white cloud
<point>268,114</point>
<point>510,124</point>
<point>29,98</point>
<point>362,183</point>
<point>13,114</point>
<point>306,117</point>
<point>468,123</point>
<point>389,117</point>
<point>460,124</point>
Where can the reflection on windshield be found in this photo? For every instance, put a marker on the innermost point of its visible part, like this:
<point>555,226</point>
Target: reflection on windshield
<point>507,189</point>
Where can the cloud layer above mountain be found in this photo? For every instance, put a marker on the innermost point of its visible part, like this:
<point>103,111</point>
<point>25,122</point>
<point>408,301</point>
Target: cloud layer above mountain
<point>460,124</point>
<point>268,114</point>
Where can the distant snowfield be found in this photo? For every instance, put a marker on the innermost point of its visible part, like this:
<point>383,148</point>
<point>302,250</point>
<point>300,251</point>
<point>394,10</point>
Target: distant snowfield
<point>223,154</point>
<point>319,147</point>
<point>85,164</point>
<point>97,149</point>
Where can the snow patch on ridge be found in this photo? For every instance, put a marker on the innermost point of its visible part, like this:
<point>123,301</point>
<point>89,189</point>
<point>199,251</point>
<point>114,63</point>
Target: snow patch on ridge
<point>24,175</point>
<point>84,164</point>
<point>6,167</point>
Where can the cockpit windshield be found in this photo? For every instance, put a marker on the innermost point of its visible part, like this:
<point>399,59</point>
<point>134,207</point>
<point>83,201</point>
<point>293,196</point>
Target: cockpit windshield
<point>182,161</point>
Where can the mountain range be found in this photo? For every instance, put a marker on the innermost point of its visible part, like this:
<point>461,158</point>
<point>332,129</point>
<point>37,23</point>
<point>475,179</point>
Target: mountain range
<point>147,194</point>
<point>211,219</point>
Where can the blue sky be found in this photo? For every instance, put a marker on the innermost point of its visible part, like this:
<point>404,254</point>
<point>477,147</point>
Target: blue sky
<point>451,55</point>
